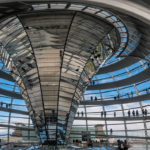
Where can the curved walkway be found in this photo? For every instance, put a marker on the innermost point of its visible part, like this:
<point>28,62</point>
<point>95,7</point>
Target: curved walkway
<point>6,76</point>
<point>14,111</point>
<point>11,94</point>
<point>16,127</point>
<point>111,136</point>
<point>118,101</point>
<point>134,79</point>
<point>119,65</point>
<point>113,118</point>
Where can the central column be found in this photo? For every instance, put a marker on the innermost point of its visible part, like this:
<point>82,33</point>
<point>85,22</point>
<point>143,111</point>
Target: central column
<point>52,58</point>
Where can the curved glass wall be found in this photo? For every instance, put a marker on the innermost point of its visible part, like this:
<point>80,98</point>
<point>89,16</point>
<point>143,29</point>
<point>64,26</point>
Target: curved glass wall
<point>120,111</point>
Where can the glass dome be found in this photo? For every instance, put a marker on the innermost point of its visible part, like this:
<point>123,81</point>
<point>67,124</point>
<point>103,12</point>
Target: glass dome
<point>74,72</point>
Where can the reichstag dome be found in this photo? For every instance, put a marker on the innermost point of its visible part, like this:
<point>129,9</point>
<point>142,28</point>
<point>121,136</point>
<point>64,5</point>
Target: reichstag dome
<point>75,74</point>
